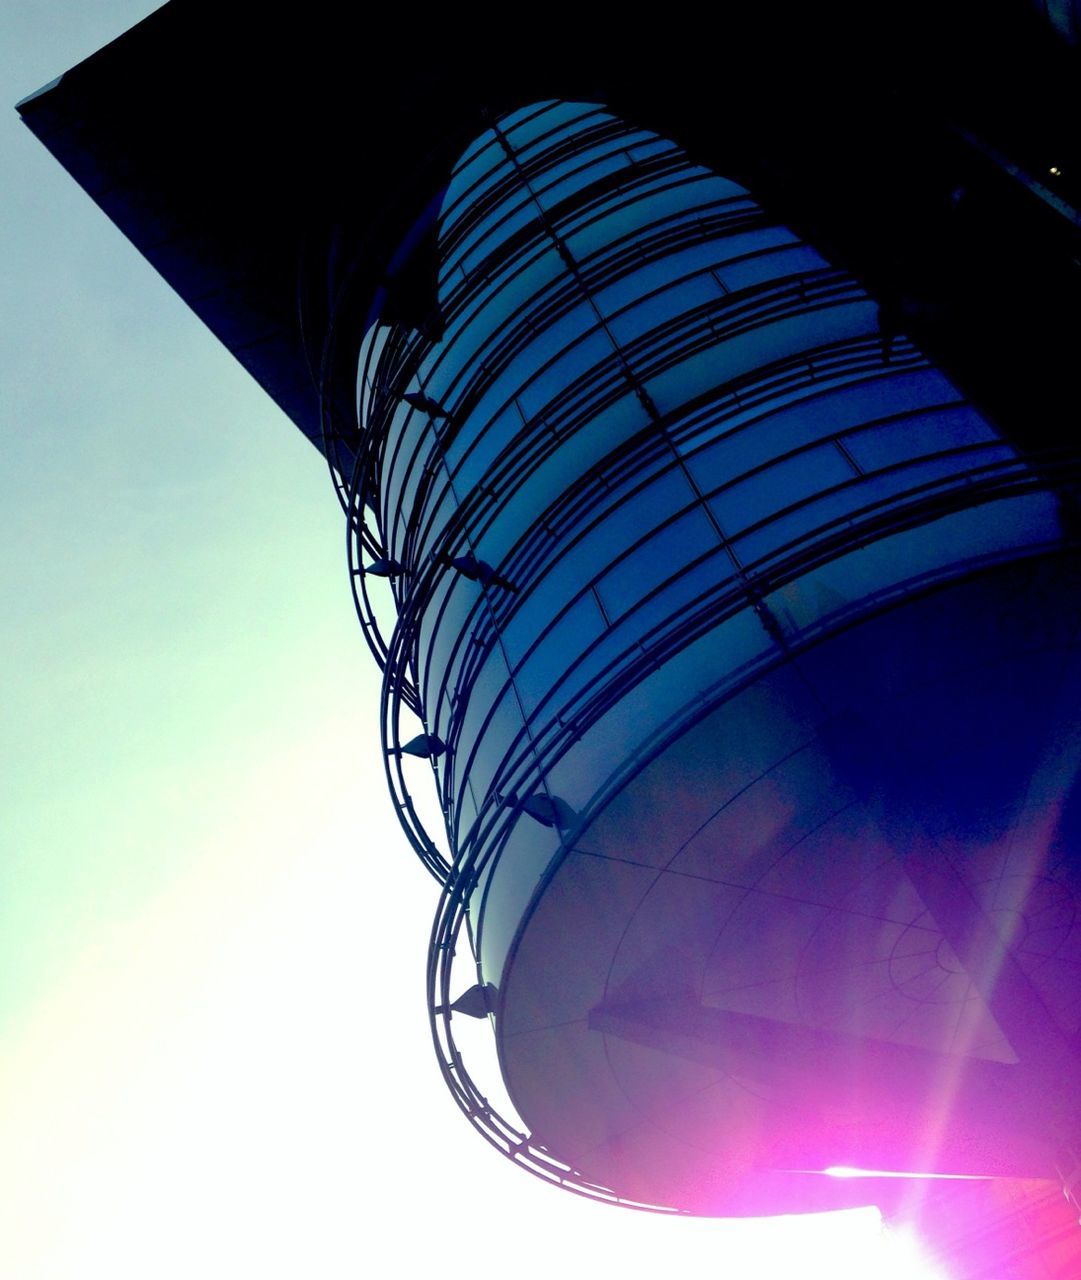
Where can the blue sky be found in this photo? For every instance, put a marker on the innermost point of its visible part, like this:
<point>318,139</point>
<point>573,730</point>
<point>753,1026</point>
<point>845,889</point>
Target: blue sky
<point>215,1054</point>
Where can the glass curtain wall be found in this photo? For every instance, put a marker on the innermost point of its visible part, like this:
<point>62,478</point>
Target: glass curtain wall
<point>659,447</point>
<point>652,410</point>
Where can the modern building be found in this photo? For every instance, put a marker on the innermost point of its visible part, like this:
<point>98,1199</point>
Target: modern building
<point>703,426</point>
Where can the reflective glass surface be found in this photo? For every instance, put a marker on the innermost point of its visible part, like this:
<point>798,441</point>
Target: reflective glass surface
<point>658,444</point>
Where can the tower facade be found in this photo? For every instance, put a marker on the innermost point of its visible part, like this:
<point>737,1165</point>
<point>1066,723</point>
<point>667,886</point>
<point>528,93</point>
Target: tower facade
<point>701,576</point>
<point>730,650</point>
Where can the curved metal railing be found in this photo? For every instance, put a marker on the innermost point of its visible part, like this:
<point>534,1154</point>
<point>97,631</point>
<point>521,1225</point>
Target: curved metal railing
<point>508,1139</point>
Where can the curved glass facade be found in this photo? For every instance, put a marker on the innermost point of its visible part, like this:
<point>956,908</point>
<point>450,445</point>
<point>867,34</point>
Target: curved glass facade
<point>651,458</point>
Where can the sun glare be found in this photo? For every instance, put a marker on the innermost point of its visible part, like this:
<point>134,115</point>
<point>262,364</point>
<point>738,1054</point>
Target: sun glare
<point>209,1109</point>
<point>906,1259</point>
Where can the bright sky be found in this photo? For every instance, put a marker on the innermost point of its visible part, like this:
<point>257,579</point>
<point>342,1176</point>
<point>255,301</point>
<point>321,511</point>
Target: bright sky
<point>215,1056</point>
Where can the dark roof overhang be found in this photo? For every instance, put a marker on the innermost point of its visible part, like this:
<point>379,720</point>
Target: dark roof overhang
<point>260,158</point>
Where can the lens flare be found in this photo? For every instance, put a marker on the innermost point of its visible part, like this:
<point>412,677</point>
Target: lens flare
<point>847,1171</point>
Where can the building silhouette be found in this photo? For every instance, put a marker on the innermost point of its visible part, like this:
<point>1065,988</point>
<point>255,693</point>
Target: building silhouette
<point>705,445</point>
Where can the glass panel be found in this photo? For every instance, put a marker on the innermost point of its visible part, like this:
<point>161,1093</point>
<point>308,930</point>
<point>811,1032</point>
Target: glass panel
<point>470,453</point>
<point>587,674</point>
<point>609,158</point>
<point>444,630</point>
<point>906,476</point>
<point>816,417</point>
<point>492,732</point>
<point>577,361</point>
<point>511,885</point>
<point>597,435</point>
<point>708,253</point>
<point>495,230</point>
<point>633,511</point>
<point>515,286</point>
<point>782,263</point>
<point>779,486</point>
<point>631,725</point>
<point>543,345</point>
<point>557,651</point>
<point>464,814</point>
<point>809,520</point>
<point>681,599</point>
<point>642,205</point>
<point>768,342</point>
<point>960,539</point>
<point>660,308</point>
<point>471,183</point>
<point>933,431</point>
<point>661,557</point>
<point>524,127</point>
